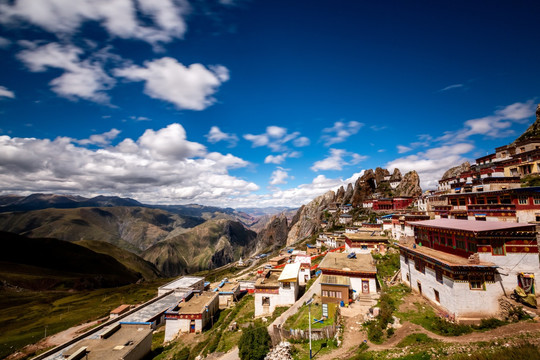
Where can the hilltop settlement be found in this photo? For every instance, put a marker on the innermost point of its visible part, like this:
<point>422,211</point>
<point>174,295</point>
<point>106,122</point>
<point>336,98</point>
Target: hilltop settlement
<point>467,251</point>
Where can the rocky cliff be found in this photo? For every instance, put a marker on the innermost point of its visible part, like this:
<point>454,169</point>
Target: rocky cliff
<point>372,183</point>
<point>272,236</point>
<point>207,246</point>
<point>456,170</point>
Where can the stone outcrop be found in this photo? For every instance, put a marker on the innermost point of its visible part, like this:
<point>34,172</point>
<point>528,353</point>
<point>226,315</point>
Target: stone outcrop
<point>456,170</point>
<point>273,236</point>
<point>308,217</point>
<point>372,183</point>
<point>281,351</point>
<point>409,185</point>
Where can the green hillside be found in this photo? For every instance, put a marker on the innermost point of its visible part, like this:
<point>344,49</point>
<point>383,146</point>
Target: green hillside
<point>207,246</point>
<point>131,228</point>
<point>126,258</point>
<point>43,264</point>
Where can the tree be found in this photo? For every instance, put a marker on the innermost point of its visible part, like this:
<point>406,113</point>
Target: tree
<point>254,343</point>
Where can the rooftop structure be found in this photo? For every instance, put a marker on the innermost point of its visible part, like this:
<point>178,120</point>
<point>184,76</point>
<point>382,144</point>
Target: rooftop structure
<point>363,263</point>
<point>196,283</point>
<point>126,341</point>
<point>473,226</point>
<point>198,303</point>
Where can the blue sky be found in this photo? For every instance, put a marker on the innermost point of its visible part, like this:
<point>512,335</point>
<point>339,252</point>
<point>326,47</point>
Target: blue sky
<point>255,103</point>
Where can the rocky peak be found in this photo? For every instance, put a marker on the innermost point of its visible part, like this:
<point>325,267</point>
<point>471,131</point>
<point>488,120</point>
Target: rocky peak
<point>409,185</point>
<point>456,170</point>
<point>396,175</point>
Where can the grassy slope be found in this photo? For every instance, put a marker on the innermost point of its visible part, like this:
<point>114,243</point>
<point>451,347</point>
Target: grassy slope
<point>42,264</point>
<point>25,314</point>
<point>193,251</point>
<point>126,258</point>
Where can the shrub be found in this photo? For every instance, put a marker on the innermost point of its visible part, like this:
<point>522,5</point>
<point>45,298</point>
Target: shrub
<point>254,343</point>
<point>444,327</point>
<point>374,331</point>
<point>390,332</point>
<point>491,323</point>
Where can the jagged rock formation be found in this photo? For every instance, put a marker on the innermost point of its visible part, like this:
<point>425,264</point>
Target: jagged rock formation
<point>347,197</point>
<point>409,185</point>
<point>533,132</point>
<point>372,183</point>
<point>456,170</point>
<point>308,217</point>
<point>396,176</point>
<point>273,236</point>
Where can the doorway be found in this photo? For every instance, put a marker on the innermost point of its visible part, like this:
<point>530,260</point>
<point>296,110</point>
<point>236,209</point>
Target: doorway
<point>365,286</point>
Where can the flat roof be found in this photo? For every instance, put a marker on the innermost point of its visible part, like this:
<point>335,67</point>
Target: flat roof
<point>121,309</point>
<point>340,261</point>
<point>471,225</point>
<point>182,282</point>
<point>196,304</point>
<point>366,235</point>
<point>290,272</point>
<point>270,281</point>
<point>229,287</point>
<point>116,346</point>
<point>446,258</point>
<point>335,280</point>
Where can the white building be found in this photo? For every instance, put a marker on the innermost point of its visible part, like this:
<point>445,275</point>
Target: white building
<point>464,266</point>
<point>191,316</point>
<point>276,289</point>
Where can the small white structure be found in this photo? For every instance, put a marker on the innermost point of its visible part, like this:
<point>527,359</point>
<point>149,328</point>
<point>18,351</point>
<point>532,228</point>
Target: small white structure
<point>191,316</point>
<point>276,289</point>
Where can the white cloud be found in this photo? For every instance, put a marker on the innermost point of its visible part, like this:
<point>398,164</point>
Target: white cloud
<point>340,132</point>
<point>336,160</point>
<point>148,20</point>
<point>100,139</point>
<point>432,164</point>
<point>301,141</point>
<point>140,118</point>
<point>403,149</point>
<point>166,79</point>
<point>160,166</point>
<point>215,135</point>
<point>450,87</point>
<point>278,159</point>
<point>493,126</point>
<point>84,79</point>
<point>4,92</point>
<point>276,137</point>
<point>279,176</point>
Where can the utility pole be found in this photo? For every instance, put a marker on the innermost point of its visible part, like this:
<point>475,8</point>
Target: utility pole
<point>309,304</point>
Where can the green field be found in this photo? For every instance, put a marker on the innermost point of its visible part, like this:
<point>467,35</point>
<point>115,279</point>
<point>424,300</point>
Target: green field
<point>24,315</point>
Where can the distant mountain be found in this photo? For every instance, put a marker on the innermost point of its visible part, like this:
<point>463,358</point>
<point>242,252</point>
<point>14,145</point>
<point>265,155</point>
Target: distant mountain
<point>43,264</point>
<point>207,246</point>
<point>45,201</point>
<point>533,131</point>
<point>255,212</point>
<point>207,212</point>
<point>126,258</point>
<point>131,228</point>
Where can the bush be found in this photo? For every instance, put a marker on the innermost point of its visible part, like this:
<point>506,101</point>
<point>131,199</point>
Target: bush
<point>444,327</point>
<point>491,323</point>
<point>374,331</point>
<point>254,343</point>
<point>390,332</point>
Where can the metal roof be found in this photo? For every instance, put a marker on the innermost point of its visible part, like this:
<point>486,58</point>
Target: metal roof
<point>290,272</point>
<point>472,225</point>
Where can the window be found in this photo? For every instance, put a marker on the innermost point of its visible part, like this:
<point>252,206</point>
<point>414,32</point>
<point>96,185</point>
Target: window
<point>266,300</point>
<point>286,285</point>
<point>505,199</point>
<point>406,259</point>
<point>480,200</point>
<point>453,201</point>
<point>492,200</point>
<point>420,266</point>
<point>437,298</point>
<point>438,275</point>
<point>460,243</point>
<point>523,200</point>
<point>364,247</point>
<point>330,293</point>
<point>536,199</point>
<point>476,282</point>
<point>471,247</point>
<point>461,201</point>
<point>497,249</point>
